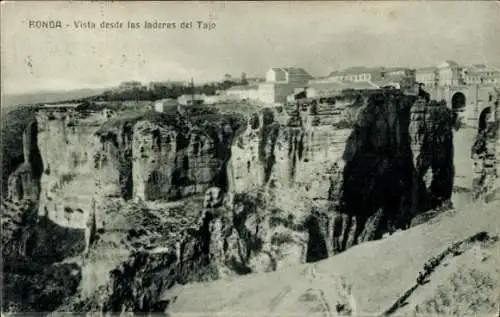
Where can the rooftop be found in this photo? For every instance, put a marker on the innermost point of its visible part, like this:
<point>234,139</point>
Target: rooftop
<point>166,101</point>
<point>358,70</point>
<point>292,70</point>
<point>426,69</point>
<point>337,86</point>
<point>395,69</point>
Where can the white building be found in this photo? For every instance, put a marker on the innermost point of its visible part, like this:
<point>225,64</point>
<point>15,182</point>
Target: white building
<point>481,75</point>
<point>213,99</point>
<point>399,77</point>
<point>428,76</point>
<point>450,74</point>
<point>381,76</point>
<point>291,75</point>
<point>358,74</point>
<point>243,92</point>
<point>190,100</point>
<point>332,88</point>
<point>165,105</point>
<point>281,82</point>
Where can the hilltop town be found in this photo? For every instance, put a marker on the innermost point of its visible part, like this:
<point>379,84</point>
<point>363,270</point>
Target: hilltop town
<point>467,89</point>
<point>250,159</point>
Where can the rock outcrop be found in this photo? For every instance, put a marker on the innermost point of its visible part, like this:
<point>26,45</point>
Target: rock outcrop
<point>80,169</point>
<point>379,185</point>
<point>485,153</point>
<point>431,133</point>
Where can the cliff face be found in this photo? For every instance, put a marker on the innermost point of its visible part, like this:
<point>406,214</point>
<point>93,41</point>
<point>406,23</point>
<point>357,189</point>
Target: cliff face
<point>285,158</point>
<point>150,159</point>
<point>431,132</point>
<point>169,164</point>
<point>485,153</point>
<point>380,185</point>
<point>192,198</point>
<point>276,216</point>
<point>290,162</point>
<point>81,169</point>
<point>66,145</point>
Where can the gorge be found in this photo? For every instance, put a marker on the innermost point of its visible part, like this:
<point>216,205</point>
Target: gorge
<point>125,206</point>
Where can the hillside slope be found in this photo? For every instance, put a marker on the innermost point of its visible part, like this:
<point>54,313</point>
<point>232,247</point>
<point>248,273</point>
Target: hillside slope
<point>375,278</point>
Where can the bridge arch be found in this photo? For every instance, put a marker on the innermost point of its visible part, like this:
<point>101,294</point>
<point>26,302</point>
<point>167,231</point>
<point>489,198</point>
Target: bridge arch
<point>458,101</point>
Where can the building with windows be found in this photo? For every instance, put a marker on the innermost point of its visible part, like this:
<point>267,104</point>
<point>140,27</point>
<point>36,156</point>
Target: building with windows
<point>481,75</point>
<point>290,75</point>
<point>400,77</point>
<point>358,74</point>
<point>243,92</point>
<point>272,93</point>
<point>449,74</point>
<point>327,89</point>
<point>281,82</point>
<point>428,76</point>
<point>165,105</point>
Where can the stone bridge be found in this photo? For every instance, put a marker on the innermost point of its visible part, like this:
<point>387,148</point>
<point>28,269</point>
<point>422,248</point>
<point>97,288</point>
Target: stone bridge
<point>476,104</point>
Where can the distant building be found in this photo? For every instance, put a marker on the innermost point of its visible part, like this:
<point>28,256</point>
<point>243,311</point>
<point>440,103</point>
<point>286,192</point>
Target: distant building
<point>324,79</point>
<point>281,82</point>
<point>399,77</point>
<point>317,89</point>
<point>190,100</point>
<point>403,78</point>
<point>481,75</point>
<point>450,74</point>
<point>332,88</point>
<point>291,75</point>
<point>243,92</point>
<point>165,105</point>
<point>428,76</point>
<point>273,93</point>
<point>358,74</point>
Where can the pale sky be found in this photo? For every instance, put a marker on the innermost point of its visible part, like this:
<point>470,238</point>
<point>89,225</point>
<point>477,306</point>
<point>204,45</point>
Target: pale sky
<point>249,37</point>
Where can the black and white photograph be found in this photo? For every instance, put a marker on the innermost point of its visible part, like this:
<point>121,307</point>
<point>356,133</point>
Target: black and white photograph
<point>250,158</point>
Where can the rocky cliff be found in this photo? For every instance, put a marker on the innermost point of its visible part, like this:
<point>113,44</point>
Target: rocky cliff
<point>180,198</point>
<point>378,184</point>
<point>79,169</point>
<point>276,216</point>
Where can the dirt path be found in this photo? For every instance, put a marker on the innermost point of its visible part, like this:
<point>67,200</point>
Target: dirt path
<point>431,266</point>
